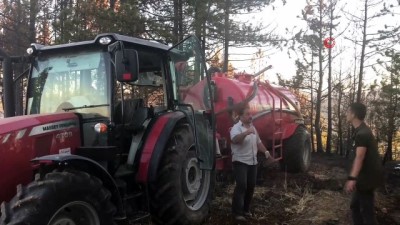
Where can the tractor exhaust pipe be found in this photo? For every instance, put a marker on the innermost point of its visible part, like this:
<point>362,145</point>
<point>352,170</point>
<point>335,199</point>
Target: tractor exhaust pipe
<point>262,71</point>
<point>8,86</point>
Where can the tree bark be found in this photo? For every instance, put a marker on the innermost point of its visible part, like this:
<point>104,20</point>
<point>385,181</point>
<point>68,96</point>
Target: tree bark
<point>340,131</point>
<point>393,104</point>
<point>180,21</point>
<point>318,131</point>
<point>227,35</point>
<point>175,29</point>
<point>33,5</point>
<point>364,44</point>
<point>329,134</point>
<point>312,103</point>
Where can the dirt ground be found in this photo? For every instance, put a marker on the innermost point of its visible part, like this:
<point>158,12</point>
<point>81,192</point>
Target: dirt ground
<point>312,198</point>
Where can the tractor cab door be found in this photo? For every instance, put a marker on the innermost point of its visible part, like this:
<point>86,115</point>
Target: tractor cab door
<point>191,91</point>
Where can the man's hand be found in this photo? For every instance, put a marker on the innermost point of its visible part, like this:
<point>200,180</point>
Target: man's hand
<point>251,130</point>
<point>267,154</point>
<point>270,159</point>
<point>350,186</point>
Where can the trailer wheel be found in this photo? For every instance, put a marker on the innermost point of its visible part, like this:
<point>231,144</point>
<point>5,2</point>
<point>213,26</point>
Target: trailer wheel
<point>182,191</point>
<point>60,198</point>
<point>297,151</point>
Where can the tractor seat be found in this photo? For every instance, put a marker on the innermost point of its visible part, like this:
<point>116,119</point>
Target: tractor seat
<point>138,118</point>
<point>130,106</point>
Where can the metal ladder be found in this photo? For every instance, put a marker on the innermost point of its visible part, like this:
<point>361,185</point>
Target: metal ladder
<point>277,117</point>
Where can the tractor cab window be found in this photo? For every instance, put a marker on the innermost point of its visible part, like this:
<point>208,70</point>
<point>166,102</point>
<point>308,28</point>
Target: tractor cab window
<point>148,91</point>
<point>69,81</point>
<point>189,74</point>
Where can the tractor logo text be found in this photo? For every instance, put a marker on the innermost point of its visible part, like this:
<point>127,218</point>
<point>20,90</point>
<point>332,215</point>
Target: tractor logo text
<point>64,135</point>
<point>59,126</point>
<point>45,128</point>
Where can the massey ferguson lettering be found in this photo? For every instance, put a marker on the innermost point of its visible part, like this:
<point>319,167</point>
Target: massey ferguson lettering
<point>59,126</point>
<point>53,127</point>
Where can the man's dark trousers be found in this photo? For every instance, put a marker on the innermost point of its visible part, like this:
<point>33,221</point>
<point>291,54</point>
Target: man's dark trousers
<point>362,208</point>
<point>245,177</point>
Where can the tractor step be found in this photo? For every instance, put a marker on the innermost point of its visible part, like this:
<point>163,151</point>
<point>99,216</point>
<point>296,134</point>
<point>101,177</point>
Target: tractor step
<point>133,196</point>
<point>124,171</point>
<point>138,216</point>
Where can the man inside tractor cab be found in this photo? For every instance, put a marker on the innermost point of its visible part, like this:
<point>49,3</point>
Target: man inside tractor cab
<point>245,143</point>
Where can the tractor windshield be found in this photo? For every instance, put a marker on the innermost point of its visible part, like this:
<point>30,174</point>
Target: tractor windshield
<point>75,80</point>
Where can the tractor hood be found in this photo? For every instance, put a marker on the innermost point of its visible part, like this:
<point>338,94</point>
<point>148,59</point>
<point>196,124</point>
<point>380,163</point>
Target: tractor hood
<point>23,138</point>
<point>11,124</point>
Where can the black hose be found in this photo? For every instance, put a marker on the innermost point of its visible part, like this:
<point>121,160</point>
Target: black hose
<point>242,103</point>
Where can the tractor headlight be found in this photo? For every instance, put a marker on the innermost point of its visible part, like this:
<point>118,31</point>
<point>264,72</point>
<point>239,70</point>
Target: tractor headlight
<point>30,50</point>
<point>105,40</point>
<point>100,128</point>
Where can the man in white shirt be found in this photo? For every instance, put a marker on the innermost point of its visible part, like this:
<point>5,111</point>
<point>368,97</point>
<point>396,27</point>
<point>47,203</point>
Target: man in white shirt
<point>245,143</point>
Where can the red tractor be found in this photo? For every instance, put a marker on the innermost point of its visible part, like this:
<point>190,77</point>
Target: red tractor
<point>93,148</point>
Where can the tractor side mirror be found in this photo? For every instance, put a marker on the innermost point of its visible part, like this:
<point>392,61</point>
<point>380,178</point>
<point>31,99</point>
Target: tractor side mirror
<point>126,65</point>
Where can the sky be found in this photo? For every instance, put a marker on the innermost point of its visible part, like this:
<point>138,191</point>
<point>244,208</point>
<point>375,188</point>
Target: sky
<point>279,19</point>
<point>286,17</point>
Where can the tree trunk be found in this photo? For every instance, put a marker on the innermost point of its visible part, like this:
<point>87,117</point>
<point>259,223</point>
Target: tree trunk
<point>198,16</point>
<point>227,36</point>
<point>318,131</point>
<point>364,44</point>
<point>312,104</point>
<point>329,134</point>
<point>391,120</point>
<point>175,29</point>
<point>32,20</point>
<point>180,10</point>
<point>339,108</point>
<point>389,151</point>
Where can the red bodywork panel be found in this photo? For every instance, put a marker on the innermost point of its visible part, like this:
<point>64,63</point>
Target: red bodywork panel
<point>149,146</point>
<point>238,90</point>
<point>23,138</point>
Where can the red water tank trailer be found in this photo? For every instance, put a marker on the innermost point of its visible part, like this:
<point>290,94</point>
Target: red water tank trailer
<point>275,112</point>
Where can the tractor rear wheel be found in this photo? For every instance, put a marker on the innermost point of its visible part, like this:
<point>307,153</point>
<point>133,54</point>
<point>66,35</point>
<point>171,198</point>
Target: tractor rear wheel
<point>60,198</point>
<point>297,151</point>
<point>182,191</point>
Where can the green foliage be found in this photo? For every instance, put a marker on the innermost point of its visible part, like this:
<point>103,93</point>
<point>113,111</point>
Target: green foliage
<point>385,102</point>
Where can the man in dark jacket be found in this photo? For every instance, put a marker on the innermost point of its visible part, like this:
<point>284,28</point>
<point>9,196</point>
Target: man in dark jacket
<point>366,173</point>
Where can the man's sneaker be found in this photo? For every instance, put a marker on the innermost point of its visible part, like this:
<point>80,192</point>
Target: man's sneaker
<point>239,218</point>
<point>247,214</point>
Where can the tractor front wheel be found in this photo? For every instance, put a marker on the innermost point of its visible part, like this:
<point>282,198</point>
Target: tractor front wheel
<point>60,198</point>
<point>182,191</point>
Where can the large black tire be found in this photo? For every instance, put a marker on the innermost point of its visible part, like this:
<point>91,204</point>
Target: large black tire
<point>67,197</point>
<point>297,151</point>
<point>178,182</point>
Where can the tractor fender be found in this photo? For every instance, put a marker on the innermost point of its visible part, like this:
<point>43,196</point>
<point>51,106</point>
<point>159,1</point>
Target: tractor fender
<point>289,129</point>
<point>155,144</point>
<point>86,165</point>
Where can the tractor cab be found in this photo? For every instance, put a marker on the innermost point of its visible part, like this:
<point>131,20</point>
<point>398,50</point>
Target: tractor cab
<point>118,84</point>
